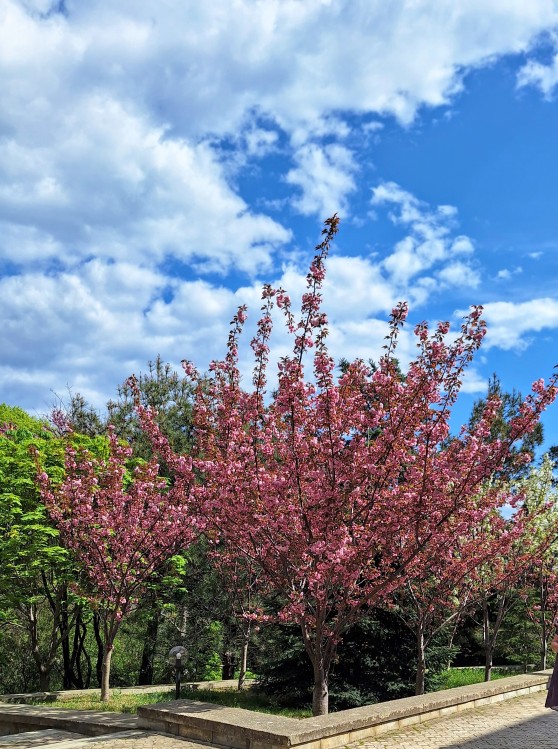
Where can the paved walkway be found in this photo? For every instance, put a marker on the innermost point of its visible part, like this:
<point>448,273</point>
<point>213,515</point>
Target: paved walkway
<point>520,723</point>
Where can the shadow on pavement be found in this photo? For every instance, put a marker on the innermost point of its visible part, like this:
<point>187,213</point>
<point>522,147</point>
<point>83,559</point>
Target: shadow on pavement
<point>540,732</point>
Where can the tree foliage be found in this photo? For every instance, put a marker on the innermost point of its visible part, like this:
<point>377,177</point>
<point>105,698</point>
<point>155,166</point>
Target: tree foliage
<point>121,527</point>
<point>338,490</point>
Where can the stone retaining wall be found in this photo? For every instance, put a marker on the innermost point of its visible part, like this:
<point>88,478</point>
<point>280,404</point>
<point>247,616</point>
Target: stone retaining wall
<point>69,694</point>
<point>23,718</point>
<point>244,729</point>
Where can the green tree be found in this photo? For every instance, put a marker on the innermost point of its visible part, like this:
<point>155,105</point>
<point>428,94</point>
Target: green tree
<point>34,568</point>
<point>510,404</point>
<point>163,390</point>
<point>35,571</point>
<point>169,394</point>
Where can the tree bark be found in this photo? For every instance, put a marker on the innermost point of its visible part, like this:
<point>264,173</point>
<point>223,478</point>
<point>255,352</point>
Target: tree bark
<point>105,676</point>
<point>486,642</point>
<point>67,680</point>
<point>421,662</point>
<point>243,659</point>
<point>543,597</point>
<point>320,695</point>
<point>227,670</point>
<point>100,648</point>
<point>44,679</point>
<point>544,654</point>
<point>44,665</point>
<point>145,675</point>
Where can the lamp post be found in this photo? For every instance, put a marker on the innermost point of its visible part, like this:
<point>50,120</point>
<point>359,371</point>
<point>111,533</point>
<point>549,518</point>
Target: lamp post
<point>177,656</point>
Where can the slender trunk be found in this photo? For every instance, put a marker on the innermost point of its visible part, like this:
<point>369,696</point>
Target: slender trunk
<point>146,668</point>
<point>243,658</point>
<point>487,642</point>
<point>228,657</point>
<point>67,678</point>
<point>504,602</point>
<point>452,638</point>
<point>421,662</point>
<point>43,665</point>
<point>78,652</point>
<point>544,654</point>
<point>105,676</point>
<point>87,658</point>
<point>227,669</point>
<point>72,648</point>
<point>100,648</point>
<point>44,678</point>
<point>320,695</point>
<point>544,629</point>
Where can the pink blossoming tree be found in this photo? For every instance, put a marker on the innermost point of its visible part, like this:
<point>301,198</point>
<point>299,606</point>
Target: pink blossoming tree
<point>338,489</point>
<point>121,526</point>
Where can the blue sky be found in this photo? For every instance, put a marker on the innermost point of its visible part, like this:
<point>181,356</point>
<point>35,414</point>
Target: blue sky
<point>159,161</point>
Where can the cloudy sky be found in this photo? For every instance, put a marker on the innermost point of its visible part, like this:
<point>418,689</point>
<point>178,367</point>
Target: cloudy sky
<point>160,160</point>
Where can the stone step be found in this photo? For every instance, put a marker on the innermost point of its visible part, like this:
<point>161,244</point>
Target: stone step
<point>36,738</point>
<point>15,718</point>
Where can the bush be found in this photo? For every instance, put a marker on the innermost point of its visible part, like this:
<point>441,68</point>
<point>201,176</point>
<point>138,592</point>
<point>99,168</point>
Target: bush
<point>375,663</point>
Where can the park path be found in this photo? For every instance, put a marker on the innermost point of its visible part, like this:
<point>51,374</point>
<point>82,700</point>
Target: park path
<point>519,723</point>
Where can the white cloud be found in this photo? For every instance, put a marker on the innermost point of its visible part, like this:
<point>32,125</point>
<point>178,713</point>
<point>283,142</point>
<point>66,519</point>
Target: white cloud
<point>459,274</point>
<point>90,328</point>
<point>207,64</point>
<point>260,142</point>
<point>510,325</point>
<point>112,171</point>
<point>473,382</point>
<point>106,110</point>
<point>505,274</point>
<point>541,76</point>
<point>324,174</point>
<point>428,248</point>
<point>112,184</point>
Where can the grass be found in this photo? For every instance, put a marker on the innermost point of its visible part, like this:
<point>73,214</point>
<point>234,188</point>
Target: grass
<point>124,702</point>
<point>462,677</point>
<point>249,699</point>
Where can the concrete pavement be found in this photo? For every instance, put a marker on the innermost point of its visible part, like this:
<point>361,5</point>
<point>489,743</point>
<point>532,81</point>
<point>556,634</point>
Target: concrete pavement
<point>520,723</point>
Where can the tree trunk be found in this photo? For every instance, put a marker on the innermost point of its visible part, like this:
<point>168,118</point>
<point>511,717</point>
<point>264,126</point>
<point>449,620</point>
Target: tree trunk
<point>100,648</point>
<point>544,654</point>
<point>78,652</point>
<point>146,667</point>
<point>544,630</point>
<point>105,676</point>
<point>421,662</point>
<point>228,655</point>
<point>43,665</point>
<point>44,678</point>
<point>67,678</point>
<point>72,648</point>
<point>320,695</point>
<point>487,642</point>
<point>243,659</point>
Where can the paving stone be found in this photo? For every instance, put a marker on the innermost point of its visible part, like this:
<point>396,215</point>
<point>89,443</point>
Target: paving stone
<point>520,723</point>
<point>36,738</point>
<point>88,722</point>
<point>134,740</point>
